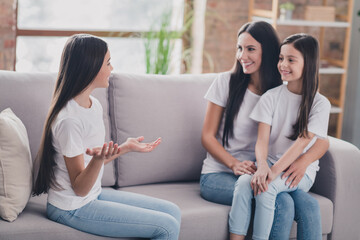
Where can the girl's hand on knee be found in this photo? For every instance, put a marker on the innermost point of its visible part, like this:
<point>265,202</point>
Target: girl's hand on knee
<point>295,172</point>
<point>259,182</point>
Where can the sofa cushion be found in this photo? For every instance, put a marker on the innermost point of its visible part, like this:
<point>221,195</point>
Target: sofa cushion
<point>15,166</point>
<point>32,101</point>
<point>134,102</point>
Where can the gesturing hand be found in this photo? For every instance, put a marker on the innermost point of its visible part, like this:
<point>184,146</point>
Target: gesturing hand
<point>244,167</point>
<point>104,152</point>
<point>259,182</point>
<point>136,145</point>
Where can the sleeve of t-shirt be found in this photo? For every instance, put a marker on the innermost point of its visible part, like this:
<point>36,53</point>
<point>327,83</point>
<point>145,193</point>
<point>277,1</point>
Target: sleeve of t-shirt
<point>218,91</point>
<point>263,110</point>
<point>68,133</point>
<point>319,117</point>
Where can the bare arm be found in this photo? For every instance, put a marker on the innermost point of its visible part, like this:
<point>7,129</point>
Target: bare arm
<point>258,181</point>
<point>297,169</point>
<point>212,121</point>
<point>291,155</point>
<point>83,178</point>
<point>262,144</point>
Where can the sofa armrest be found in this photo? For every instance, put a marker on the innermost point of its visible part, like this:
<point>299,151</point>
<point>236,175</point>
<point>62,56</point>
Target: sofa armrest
<point>339,180</point>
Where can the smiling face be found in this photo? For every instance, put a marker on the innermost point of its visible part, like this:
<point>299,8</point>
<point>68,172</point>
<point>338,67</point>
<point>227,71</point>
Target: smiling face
<point>249,53</point>
<point>102,78</point>
<point>291,64</point>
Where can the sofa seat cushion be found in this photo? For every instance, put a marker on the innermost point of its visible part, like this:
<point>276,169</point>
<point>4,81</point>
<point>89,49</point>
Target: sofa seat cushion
<point>200,219</point>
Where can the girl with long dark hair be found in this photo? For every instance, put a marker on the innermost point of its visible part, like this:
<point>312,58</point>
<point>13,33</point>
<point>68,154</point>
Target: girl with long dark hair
<point>291,118</point>
<point>73,153</point>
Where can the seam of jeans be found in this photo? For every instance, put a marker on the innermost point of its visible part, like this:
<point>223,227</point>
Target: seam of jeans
<point>97,220</point>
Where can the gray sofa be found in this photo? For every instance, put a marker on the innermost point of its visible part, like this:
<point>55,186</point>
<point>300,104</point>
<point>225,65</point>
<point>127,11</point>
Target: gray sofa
<point>171,107</point>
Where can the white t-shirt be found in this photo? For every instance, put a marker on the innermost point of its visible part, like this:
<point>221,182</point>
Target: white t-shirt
<point>242,145</point>
<point>75,129</point>
<point>279,107</point>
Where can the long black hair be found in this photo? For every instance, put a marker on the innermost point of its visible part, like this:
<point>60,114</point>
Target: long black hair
<point>309,48</point>
<point>81,60</point>
<point>266,35</point>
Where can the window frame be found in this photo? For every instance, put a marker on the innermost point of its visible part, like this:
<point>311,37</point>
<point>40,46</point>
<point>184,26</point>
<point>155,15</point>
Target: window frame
<point>67,33</point>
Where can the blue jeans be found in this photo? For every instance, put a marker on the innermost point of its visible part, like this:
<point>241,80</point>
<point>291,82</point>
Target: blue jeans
<point>123,214</point>
<point>219,188</point>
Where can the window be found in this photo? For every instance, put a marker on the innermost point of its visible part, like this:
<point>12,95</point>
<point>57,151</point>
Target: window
<point>44,26</point>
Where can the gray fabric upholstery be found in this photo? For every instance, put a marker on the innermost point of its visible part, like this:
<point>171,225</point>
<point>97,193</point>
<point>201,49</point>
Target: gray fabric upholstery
<point>28,96</point>
<point>338,180</point>
<point>171,107</point>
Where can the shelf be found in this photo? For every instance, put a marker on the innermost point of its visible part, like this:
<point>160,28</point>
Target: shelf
<point>335,109</point>
<point>332,70</point>
<point>305,23</point>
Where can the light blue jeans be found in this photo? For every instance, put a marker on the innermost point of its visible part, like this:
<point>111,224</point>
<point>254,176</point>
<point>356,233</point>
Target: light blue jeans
<point>219,188</point>
<point>240,213</point>
<point>123,214</point>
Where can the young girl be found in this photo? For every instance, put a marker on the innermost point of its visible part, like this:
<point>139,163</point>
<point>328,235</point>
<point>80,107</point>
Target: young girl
<point>72,163</point>
<point>291,117</point>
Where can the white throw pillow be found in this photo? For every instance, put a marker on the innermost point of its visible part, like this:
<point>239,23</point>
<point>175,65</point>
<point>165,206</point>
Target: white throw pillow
<point>15,166</point>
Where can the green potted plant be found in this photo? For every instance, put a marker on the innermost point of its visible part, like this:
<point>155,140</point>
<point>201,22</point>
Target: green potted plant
<point>286,10</point>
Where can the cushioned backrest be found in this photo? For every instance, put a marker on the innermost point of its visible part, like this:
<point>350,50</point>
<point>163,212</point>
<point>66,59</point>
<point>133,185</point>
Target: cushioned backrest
<point>29,96</point>
<point>172,107</point>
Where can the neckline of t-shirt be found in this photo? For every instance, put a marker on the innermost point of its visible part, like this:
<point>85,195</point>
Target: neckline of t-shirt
<point>83,108</point>
<point>252,93</point>
<point>294,95</point>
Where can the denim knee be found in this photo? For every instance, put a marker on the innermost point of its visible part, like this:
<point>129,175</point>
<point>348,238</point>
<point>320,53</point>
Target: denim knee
<point>218,187</point>
<point>306,207</point>
<point>169,229</point>
<point>174,211</point>
<point>284,206</point>
<point>243,182</point>
<point>283,217</point>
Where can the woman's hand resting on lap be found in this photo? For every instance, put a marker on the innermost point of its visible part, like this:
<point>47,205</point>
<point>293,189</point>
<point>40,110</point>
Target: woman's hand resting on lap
<point>244,167</point>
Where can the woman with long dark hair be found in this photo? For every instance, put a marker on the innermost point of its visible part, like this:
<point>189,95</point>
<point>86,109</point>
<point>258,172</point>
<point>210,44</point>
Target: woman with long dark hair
<point>73,153</point>
<point>291,119</point>
<point>229,135</point>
